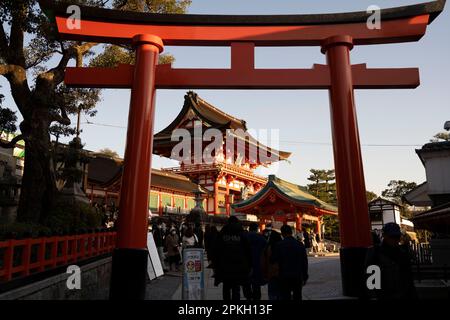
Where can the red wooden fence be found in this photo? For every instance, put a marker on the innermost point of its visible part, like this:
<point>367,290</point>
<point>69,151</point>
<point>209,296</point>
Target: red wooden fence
<point>20,258</point>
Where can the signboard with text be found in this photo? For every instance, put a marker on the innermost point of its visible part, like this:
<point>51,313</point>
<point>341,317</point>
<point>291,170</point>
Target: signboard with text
<point>193,274</point>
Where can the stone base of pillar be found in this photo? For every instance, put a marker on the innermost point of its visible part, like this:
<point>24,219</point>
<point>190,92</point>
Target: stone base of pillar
<point>353,271</point>
<point>129,274</point>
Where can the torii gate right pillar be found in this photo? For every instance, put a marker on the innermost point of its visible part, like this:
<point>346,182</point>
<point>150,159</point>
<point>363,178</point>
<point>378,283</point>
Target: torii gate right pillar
<point>351,191</point>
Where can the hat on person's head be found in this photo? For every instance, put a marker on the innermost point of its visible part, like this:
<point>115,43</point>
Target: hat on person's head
<point>392,229</point>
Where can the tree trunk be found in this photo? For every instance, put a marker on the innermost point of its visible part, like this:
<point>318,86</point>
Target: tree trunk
<point>38,182</point>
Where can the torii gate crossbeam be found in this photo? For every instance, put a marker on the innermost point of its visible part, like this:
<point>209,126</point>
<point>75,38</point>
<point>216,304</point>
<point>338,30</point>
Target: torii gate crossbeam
<point>336,34</point>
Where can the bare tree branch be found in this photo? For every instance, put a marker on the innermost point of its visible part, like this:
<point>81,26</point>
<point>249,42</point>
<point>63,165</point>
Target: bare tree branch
<point>39,58</point>
<point>3,43</point>
<point>12,143</point>
<point>62,118</point>
<point>16,45</point>
<point>56,74</point>
<point>5,69</point>
<point>85,47</point>
<point>17,78</point>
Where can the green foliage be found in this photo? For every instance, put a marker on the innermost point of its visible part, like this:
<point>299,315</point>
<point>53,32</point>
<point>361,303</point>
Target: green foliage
<point>154,6</point>
<point>68,217</point>
<point>371,196</point>
<point>59,130</point>
<point>113,55</point>
<point>331,227</point>
<point>23,230</point>
<point>441,136</point>
<point>324,186</point>
<point>8,118</point>
<point>397,189</point>
<point>108,153</point>
<point>65,218</point>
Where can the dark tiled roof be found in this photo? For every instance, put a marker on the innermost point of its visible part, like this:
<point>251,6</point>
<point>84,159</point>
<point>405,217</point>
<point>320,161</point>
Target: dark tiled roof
<point>382,201</point>
<point>443,145</point>
<point>436,212</point>
<point>432,147</point>
<point>204,111</point>
<point>173,181</point>
<point>105,171</point>
<point>216,118</point>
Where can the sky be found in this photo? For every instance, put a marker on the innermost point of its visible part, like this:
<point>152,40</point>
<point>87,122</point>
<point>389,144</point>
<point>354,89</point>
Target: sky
<point>404,118</point>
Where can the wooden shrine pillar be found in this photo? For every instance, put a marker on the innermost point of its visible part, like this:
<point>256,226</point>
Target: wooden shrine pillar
<point>129,263</point>
<point>351,191</point>
<point>298,222</point>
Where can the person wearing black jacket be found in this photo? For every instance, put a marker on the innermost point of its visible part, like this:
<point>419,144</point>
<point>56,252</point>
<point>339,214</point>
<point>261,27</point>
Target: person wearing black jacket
<point>396,278</point>
<point>233,259</point>
<point>211,234</point>
<point>292,260</point>
<point>270,270</point>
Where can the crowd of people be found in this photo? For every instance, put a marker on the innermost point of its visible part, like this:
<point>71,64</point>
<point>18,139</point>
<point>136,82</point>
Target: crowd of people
<point>247,259</point>
<point>240,258</point>
<point>171,239</point>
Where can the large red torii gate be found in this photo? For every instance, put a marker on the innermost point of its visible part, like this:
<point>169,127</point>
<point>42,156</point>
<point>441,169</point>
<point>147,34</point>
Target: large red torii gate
<point>336,34</point>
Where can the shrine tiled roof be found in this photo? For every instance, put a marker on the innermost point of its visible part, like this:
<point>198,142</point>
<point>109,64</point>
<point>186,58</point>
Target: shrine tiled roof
<point>206,112</point>
<point>106,171</point>
<point>213,117</point>
<point>294,193</point>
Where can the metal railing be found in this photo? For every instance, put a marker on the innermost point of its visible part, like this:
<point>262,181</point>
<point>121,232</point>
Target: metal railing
<point>423,267</point>
<point>421,253</point>
<point>20,258</point>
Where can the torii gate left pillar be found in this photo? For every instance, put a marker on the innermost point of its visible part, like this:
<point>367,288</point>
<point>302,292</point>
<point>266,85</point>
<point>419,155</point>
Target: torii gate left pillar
<point>131,255</point>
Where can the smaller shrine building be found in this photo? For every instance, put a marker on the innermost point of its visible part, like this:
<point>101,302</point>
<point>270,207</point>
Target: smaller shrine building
<point>286,203</point>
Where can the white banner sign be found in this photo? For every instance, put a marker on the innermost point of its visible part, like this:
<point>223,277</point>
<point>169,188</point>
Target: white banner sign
<point>193,274</point>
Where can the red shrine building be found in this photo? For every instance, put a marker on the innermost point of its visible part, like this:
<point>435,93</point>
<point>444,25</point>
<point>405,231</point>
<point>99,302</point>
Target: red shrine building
<point>227,179</point>
<point>229,175</point>
<point>286,203</point>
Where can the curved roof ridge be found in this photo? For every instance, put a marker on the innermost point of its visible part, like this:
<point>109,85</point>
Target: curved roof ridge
<point>433,8</point>
<point>282,186</point>
<point>196,99</point>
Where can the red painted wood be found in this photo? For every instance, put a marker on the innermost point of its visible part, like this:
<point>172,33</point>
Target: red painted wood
<point>401,30</point>
<point>314,78</point>
<point>104,242</point>
<point>350,185</point>
<point>134,198</point>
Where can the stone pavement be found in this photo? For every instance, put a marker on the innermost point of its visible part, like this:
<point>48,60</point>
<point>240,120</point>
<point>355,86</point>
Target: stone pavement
<point>324,283</point>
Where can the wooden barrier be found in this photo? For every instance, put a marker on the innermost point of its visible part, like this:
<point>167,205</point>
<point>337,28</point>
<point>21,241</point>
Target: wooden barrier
<point>20,258</point>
